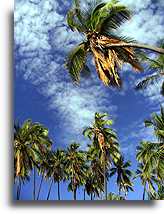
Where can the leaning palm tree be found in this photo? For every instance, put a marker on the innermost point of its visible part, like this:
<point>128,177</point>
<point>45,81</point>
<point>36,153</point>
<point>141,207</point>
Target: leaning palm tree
<point>75,167</point>
<point>104,139</point>
<point>123,175</point>
<point>97,23</point>
<point>157,65</point>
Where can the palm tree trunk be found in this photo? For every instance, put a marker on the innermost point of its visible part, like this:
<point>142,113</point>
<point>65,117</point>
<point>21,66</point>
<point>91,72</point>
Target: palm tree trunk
<point>58,190</point>
<point>136,45</point>
<point>18,189</point>
<point>105,181</point>
<point>34,183</point>
<point>84,194</point>
<point>49,189</point>
<point>119,191</point>
<point>91,197</point>
<point>74,194</point>
<point>144,192</point>
<point>40,187</point>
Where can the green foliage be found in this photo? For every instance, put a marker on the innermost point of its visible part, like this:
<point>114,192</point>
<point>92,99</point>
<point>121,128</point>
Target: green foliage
<point>114,197</point>
<point>123,175</point>
<point>75,62</point>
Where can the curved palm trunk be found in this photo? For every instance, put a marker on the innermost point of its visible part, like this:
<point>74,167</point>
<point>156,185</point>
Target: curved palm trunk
<point>136,45</point>
<point>49,190</point>
<point>34,183</point>
<point>40,187</point>
<point>58,190</point>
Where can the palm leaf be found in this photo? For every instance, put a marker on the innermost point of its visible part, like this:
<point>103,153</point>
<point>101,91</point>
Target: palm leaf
<point>75,61</point>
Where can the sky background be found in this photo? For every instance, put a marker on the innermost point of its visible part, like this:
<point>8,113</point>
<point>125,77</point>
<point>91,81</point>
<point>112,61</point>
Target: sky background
<point>44,92</point>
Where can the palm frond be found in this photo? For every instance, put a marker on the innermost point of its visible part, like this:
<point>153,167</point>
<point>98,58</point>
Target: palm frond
<point>148,81</point>
<point>109,15</point>
<point>75,61</point>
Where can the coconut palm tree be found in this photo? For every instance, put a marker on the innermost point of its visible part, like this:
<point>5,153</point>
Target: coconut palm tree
<point>97,23</point>
<point>148,178</point>
<point>30,141</point>
<point>105,140</point>
<point>159,195</point>
<point>43,169</point>
<point>157,123</point>
<point>123,175</point>
<point>94,182</point>
<point>75,167</point>
<point>151,165</point>
<point>114,197</point>
<point>157,65</point>
<point>56,168</point>
<point>23,154</point>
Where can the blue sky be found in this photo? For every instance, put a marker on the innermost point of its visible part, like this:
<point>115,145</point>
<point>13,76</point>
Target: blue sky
<point>44,91</point>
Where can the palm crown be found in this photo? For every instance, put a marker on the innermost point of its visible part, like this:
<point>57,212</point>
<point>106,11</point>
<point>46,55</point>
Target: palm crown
<point>97,22</point>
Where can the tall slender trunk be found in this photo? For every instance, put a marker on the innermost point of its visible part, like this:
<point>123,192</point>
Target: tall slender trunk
<point>49,189</point>
<point>18,188</point>
<point>91,197</point>
<point>144,191</point>
<point>136,45</point>
<point>105,181</point>
<point>74,194</point>
<point>58,190</point>
<point>40,187</point>
<point>84,194</point>
<point>34,183</point>
<point>119,191</point>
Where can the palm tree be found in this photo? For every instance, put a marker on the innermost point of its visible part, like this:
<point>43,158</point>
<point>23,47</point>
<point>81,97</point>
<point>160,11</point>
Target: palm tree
<point>114,197</point>
<point>105,140</point>
<point>75,167</point>
<point>151,165</point>
<point>159,195</point>
<point>157,123</point>
<point>123,175</point>
<point>94,175</point>
<point>56,168</point>
<point>30,142</point>
<point>156,65</point>
<point>43,169</point>
<point>23,162</point>
<point>148,178</point>
<point>98,23</point>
